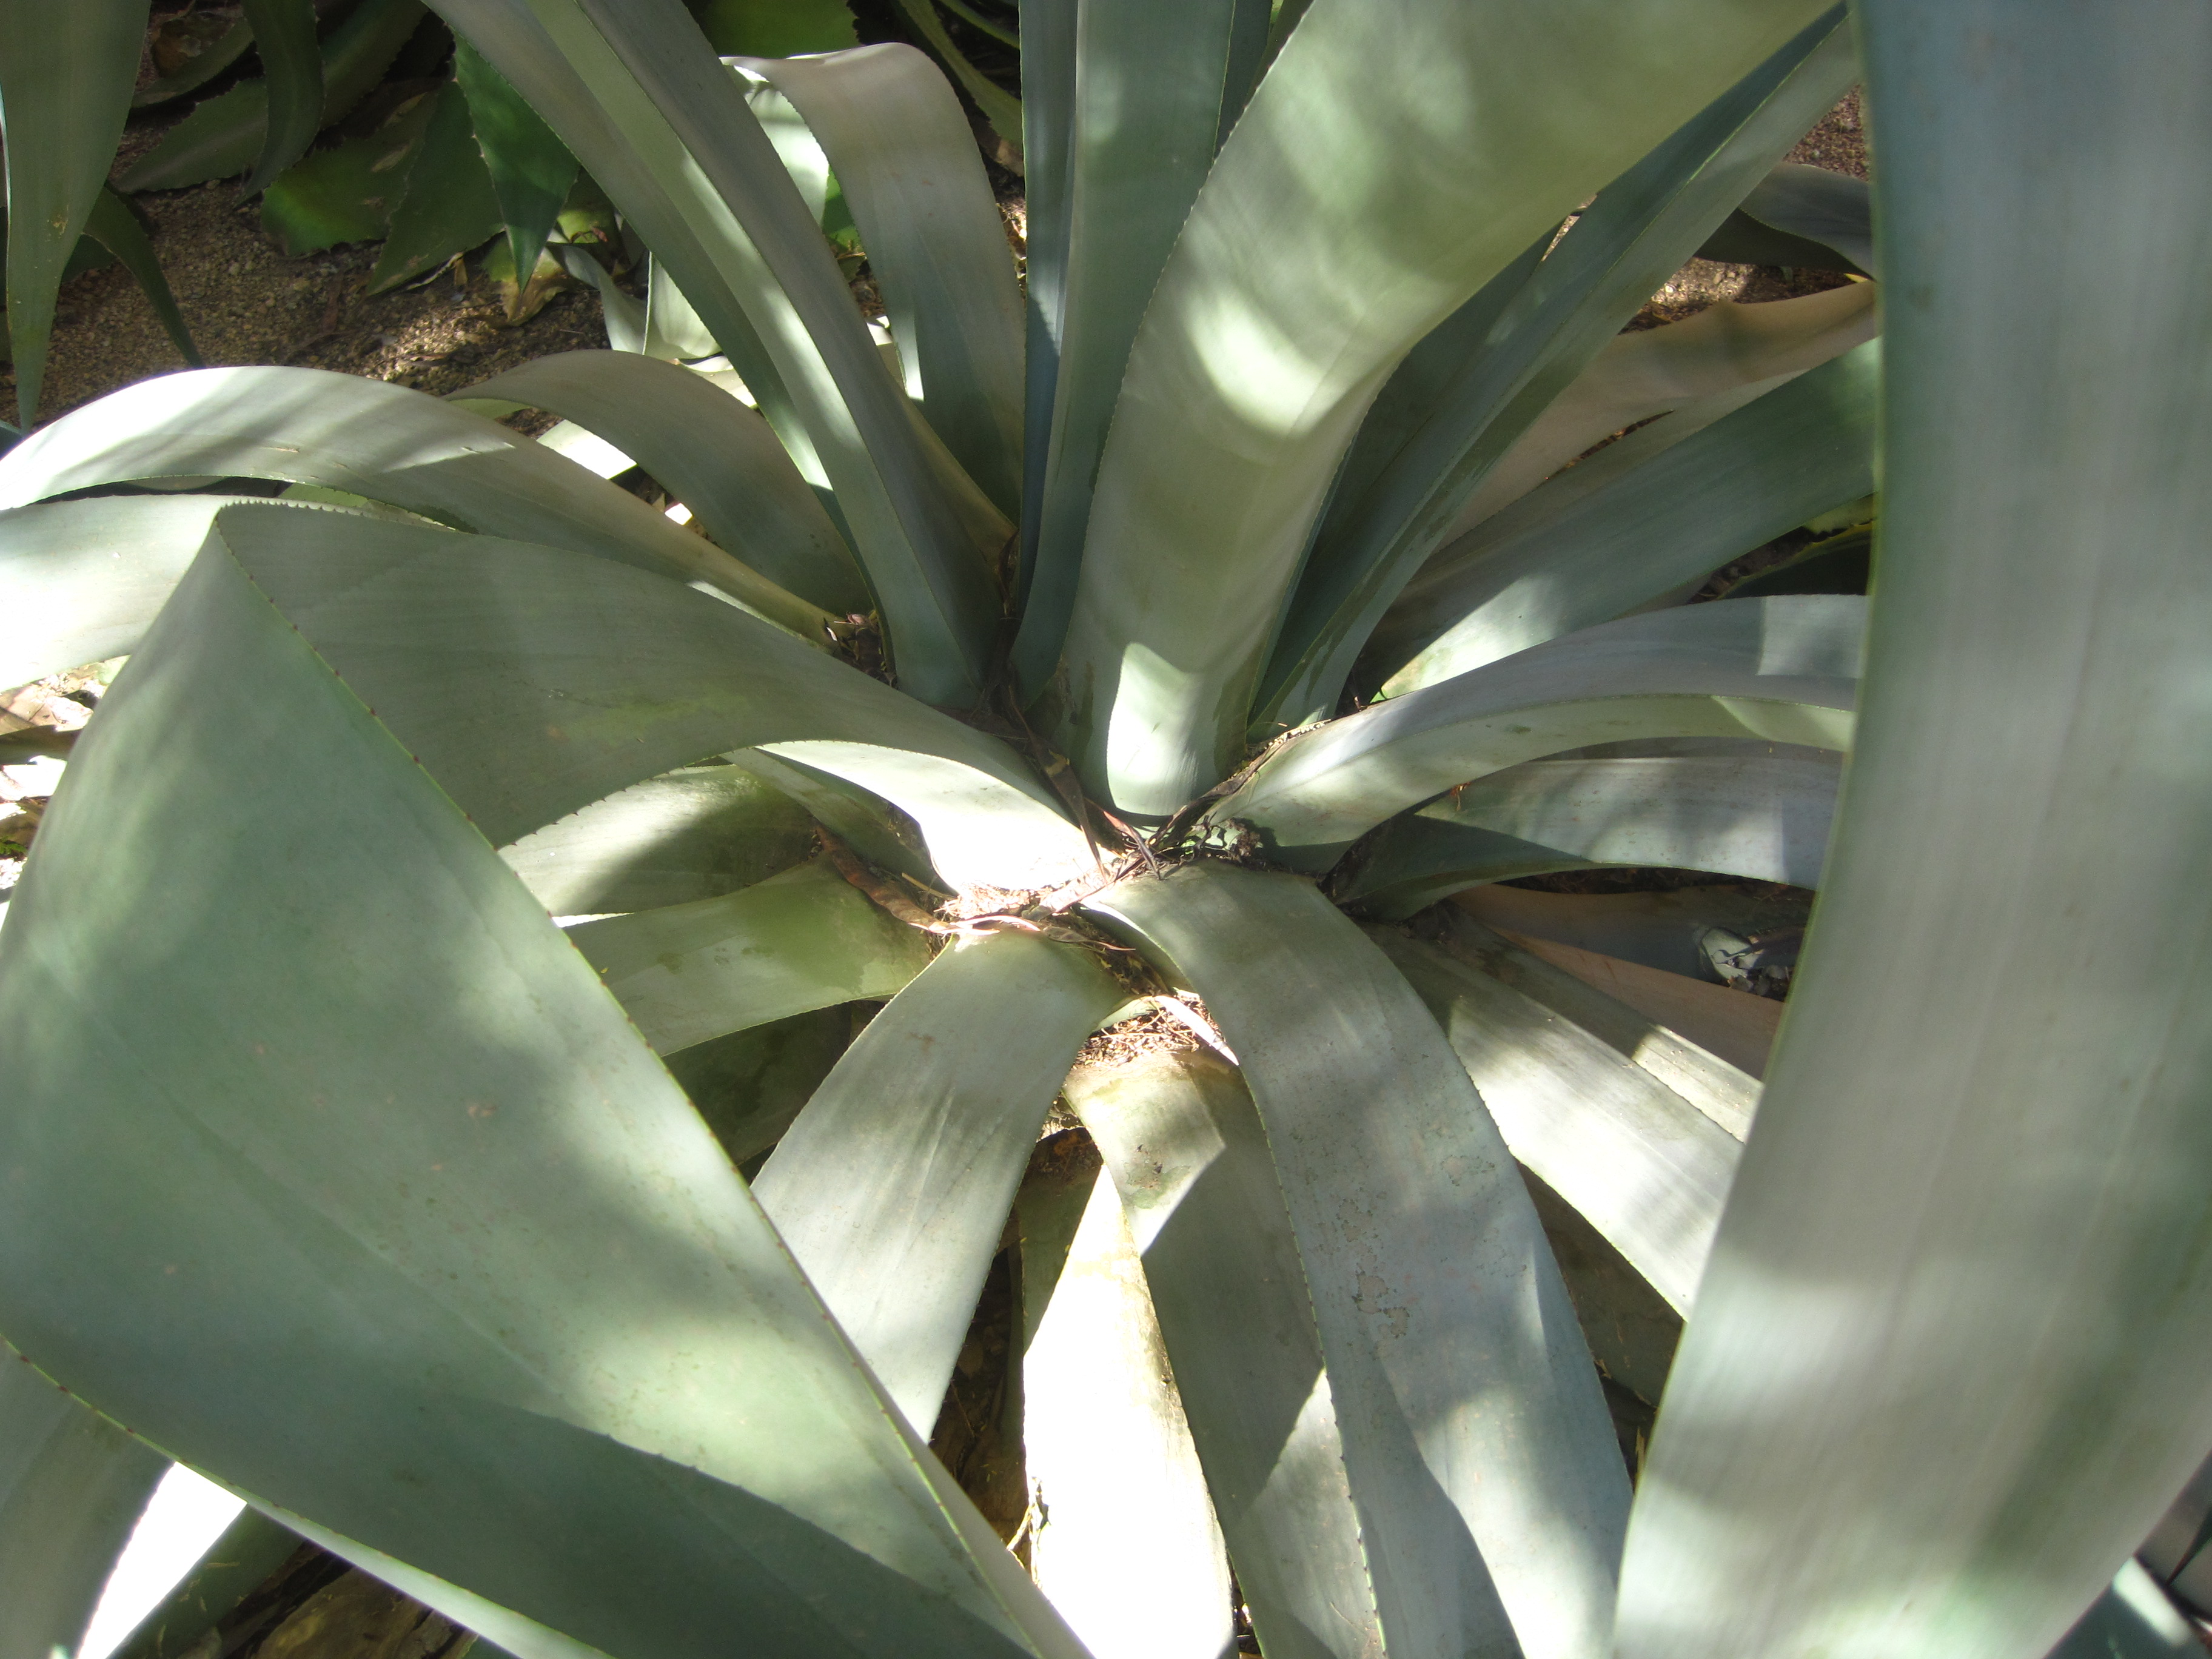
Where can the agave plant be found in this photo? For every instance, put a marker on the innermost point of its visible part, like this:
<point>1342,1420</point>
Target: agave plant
<point>1161,641</point>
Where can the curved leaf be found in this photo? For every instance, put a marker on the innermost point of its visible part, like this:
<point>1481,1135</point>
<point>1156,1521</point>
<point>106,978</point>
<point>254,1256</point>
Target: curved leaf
<point>1116,1486</point>
<point>640,675</point>
<point>65,78</point>
<point>198,70</point>
<point>1783,670</point>
<point>292,70</point>
<point>1485,1525</point>
<point>1728,349</point>
<point>1716,1087</point>
<point>1647,1168</point>
<point>713,453</point>
<point>906,159</point>
<point>806,938</point>
<point>1962,1272</point>
<point>1761,816</point>
<point>1292,292</point>
<point>531,170</point>
<point>112,224</point>
<point>1144,113</point>
<point>1049,31</point>
<point>387,442</point>
<point>1627,526</point>
<point>448,206</point>
<point>488,1299</point>
<point>639,99</point>
<point>72,1485</point>
<point>1192,1164</point>
<point>892,1188</point>
<point>84,577</point>
<point>1801,216</point>
<point>222,136</point>
<point>1000,108</point>
<point>1475,384</point>
<point>696,834</point>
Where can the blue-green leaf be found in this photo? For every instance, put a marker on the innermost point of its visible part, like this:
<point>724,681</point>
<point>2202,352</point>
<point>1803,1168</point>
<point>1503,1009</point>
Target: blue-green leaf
<point>429,1252</point>
<point>805,939</point>
<point>637,674</point>
<point>1948,1364</point>
<point>892,1188</point>
<point>1485,1525</point>
<point>1763,816</point>
<point>712,453</point>
<point>1781,670</point>
<point>1192,1164</point>
<point>694,834</point>
<point>1643,1165</point>
<point>1145,117</point>
<point>1470,391</point>
<point>386,442</point>
<point>1630,525</point>
<point>72,1487</point>
<point>905,159</point>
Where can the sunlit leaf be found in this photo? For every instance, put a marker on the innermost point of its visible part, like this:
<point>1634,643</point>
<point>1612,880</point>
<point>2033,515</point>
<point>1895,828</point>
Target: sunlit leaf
<point>714,454</point>
<point>1431,1285</point>
<point>1947,1367</point>
<point>431,1253</point>
<point>906,166</point>
<point>1782,669</point>
<point>1762,816</point>
<point>1191,1161</point>
<point>1292,292</point>
<point>72,1487</point>
<point>383,441</point>
<point>891,1188</point>
<point>1468,391</point>
<point>803,939</point>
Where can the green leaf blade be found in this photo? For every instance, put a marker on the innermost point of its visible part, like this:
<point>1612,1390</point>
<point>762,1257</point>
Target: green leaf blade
<point>803,939</point>
<point>1259,353</point>
<point>1962,1273</point>
<point>1785,669</point>
<point>292,66</point>
<point>715,455</point>
<point>1470,391</point>
<point>1623,529</point>
<point>1190,1157</point>
<point>65,79</point>
<point>892,1188</point>
<point>448,206</point>
<point>1482,1527</point>
<point>530,169</point>
<point>384,442</point>
<point>906,159</point>
<point>531,1396</point>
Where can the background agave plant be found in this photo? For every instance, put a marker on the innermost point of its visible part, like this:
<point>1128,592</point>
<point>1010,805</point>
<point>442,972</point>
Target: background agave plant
<point>335,1170</point>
